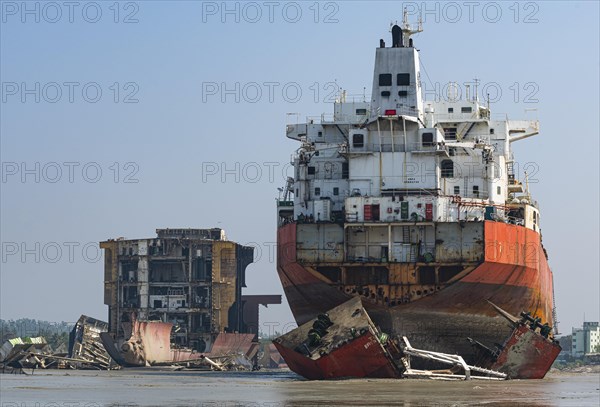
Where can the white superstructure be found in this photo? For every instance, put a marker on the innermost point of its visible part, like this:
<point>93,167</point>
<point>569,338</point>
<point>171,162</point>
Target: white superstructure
<point>395,178</point>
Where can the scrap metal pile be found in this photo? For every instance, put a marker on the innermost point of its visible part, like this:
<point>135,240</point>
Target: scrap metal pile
<point>85,350</point>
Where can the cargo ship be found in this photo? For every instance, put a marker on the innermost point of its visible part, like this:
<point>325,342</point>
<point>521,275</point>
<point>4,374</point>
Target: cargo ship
<point>415,207</point>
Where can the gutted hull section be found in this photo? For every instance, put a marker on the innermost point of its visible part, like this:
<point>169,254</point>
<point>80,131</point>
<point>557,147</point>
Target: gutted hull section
<point>348,345</point>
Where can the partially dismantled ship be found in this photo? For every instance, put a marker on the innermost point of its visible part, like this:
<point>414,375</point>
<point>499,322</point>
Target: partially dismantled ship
<point>177,297</point>
<point>415,207</point>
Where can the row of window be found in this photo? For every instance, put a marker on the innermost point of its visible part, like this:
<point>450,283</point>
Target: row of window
<point>464,109</point>
<point>402,79</point>
<point>345,171</point>
<point>336,191</point>
<point>475,190</point>
<point>401,93</point>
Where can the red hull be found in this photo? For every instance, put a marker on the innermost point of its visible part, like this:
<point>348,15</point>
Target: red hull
<point>349,347</point>
<point>526,355</point>
<point>514,274</point>
<point>363,357</point>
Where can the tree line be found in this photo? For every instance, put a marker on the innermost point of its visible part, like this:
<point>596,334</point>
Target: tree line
<point>55,333</point>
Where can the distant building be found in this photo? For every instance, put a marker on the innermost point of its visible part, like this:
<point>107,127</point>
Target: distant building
<point>585,340</point>
<point>190,277</point>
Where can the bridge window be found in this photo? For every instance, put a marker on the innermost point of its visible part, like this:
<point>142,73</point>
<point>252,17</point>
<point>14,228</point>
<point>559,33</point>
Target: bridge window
<point>402,93</point>
<point>385,79</point>
<point>466,109</point>
<point>476,191</point>
<point>336,191</point>
<point>361,112</point>
<point>447,169</point>
<point>345,171</point>
<point>427,139</point>
<point>311,170</point>
<point>403,79</point>
<point>317,191</point>
<point>450,110</point>
<point>456,190</point>
<point>358,140</point>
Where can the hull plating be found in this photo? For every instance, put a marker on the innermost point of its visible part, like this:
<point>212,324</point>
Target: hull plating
<point>514,274</point>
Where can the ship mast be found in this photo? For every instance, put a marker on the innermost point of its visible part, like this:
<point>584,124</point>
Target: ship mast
<point>407,30</point>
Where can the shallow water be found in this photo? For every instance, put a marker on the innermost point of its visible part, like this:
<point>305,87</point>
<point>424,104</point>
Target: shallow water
<point>158,387</point>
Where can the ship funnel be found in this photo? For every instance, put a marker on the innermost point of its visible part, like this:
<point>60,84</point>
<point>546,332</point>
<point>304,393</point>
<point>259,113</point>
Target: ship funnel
<point>396,36</point>
<point>396,76</point>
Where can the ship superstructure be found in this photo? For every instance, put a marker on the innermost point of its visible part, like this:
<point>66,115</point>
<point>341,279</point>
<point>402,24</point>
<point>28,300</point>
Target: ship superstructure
<point>415,207</point>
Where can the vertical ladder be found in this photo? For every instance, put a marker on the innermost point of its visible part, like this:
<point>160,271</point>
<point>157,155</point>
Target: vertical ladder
<point>413,253</point>
<point>405,234</point>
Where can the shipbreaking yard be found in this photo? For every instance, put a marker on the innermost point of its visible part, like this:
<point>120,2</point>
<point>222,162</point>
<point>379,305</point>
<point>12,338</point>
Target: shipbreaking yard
<point>176,300</point>
<point>405,244</point>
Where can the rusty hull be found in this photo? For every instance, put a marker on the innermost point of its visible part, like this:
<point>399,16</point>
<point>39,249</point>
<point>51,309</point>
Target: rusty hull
<point>149,344</point>
<point>351,347</point>
<point>513,272</point>
<point>526,354</point>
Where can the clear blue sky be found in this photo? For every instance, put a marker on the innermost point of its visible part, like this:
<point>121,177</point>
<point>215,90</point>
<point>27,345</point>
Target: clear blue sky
<point>183,63</point>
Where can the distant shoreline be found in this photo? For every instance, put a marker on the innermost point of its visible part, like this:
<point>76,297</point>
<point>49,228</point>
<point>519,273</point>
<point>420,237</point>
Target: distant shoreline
<point>588,368</point>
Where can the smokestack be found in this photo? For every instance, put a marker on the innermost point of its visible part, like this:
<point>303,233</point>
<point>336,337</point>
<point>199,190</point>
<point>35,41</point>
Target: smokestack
<point>396,37</point>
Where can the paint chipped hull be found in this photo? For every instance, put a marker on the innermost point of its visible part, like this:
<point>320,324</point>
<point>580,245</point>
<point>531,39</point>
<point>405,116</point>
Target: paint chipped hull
<point>513,273</point>
<point>526,355</point>
<point>149,344</point>
<point>340,354</point>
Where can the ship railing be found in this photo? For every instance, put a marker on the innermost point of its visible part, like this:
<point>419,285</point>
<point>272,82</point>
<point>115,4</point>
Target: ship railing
<point>404,111</point>
<point>475,195</point>
<point>353,97</point>
<point>327,118</point>
<point>387,147</point>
